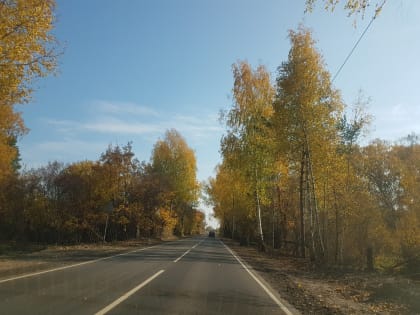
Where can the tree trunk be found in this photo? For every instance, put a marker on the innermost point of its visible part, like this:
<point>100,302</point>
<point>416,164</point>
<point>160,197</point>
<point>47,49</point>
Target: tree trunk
<point>369,258</point>
<point>106,227</point>
<point>311,213</point>
<point>272,227</point>
<point>261,244</point>
<point>301,206</point>
<point>315,204</point>
<point>233,217</point>
<point>261,239</point>
<point>138,231</point>
<point>233,227</point>
<point>337,233</point>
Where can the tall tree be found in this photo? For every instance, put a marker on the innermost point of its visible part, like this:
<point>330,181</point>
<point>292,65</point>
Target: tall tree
<point>174,164</point>
<point>118,169</point>
<point>232,204</point>
<point>27,51</point>
<point>307,109</point>
<point>249,141</point>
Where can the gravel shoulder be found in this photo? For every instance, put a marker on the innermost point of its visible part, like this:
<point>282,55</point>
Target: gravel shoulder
<point>332,292</point>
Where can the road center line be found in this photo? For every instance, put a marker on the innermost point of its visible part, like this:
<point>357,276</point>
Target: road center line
<point>128,294</point>
<point>179,258</point>
<point>196,245</point>
<point>267,290</point>
<point>74,265</point>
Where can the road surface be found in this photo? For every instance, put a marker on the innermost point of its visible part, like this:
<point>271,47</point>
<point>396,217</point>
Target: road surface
<point>190,276</point>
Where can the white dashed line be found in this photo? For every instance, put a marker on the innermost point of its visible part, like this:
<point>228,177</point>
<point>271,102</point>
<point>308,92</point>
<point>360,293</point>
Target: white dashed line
<point>179,258</point>
<point>128,294</point>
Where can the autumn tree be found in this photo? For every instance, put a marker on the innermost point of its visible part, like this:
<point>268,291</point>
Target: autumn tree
<point>198,223</point>
<point>407,152</point>
<point>353,7</point>
<point>307,110</point>
<point>233,206</point>
<point>351,127</point>
<point>293,164</point>
<point>113,198</point>
<point>385,178</point>
<point>41,196</point>
<point>12,209</point>
<point>174,164</point>
<point>247,145</point>
<point>119,169</point>
<point>83,218</point>
<point>27,51</point>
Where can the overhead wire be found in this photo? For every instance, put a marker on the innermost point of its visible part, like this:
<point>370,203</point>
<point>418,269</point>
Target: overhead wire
<point>378,9</point>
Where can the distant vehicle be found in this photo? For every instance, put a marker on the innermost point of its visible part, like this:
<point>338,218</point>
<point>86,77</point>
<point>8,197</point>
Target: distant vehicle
<point>212,234</point>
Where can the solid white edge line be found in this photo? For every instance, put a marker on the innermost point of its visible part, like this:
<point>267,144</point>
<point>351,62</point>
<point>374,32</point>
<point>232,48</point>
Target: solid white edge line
<point>125,296</point>
<point>267,290</point>
<point>74,265</point>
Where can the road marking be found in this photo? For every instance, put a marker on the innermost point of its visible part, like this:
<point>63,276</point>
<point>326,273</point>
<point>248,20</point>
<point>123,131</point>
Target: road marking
<point>197,244</point>
<point>179,258</point>
<point>267,290</point>
<point>128,294</point>
<point>74,265</point>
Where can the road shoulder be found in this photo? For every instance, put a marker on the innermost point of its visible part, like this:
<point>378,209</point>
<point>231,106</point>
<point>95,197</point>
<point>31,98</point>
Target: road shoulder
<point>308,291</point>
<point>285,306</point>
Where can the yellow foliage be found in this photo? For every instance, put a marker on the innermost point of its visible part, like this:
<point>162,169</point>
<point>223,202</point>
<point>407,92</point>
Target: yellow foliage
<point>27,51</point>
<point>353,7</point>
<point>409,236</point>
<point>168,222</point>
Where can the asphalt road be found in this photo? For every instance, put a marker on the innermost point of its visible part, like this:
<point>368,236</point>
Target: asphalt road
<point>191,276</point>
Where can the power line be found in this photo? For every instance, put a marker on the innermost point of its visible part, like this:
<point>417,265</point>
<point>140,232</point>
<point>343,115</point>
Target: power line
<point>358,41</point>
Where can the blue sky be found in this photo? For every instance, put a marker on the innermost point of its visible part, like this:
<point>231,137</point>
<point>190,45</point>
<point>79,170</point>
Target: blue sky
<point>132,69</point>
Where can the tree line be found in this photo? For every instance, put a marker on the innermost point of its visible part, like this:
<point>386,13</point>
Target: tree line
<point>114,198</point>
<point>294,177</point>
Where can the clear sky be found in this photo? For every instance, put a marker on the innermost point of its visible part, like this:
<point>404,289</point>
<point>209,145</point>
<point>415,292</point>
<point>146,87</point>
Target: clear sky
<point>132,69</point>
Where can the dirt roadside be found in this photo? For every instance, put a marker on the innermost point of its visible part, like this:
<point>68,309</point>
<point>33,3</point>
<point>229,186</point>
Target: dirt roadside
<point>16,262</point>
<point>334,292</point>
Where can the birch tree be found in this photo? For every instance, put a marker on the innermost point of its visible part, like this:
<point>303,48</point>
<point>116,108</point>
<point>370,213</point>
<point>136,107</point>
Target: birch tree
<point>307,109</point>
<point>250,133</point>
